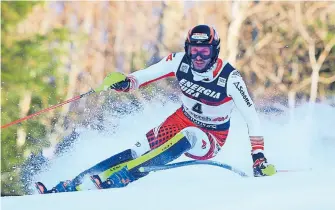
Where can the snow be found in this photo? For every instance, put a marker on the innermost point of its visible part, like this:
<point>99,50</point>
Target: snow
<point>302,140</point>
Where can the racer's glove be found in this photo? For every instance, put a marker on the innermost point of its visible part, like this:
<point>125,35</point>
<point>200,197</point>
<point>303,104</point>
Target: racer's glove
<point>122,86</point>
<point>261,166</point>
<point>116,81</point>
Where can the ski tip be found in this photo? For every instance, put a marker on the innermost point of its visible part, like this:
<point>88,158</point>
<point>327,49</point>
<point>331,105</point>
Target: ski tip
<point>40,187</point>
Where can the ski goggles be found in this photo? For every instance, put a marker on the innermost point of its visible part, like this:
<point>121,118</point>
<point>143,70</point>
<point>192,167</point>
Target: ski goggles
<point>205,52</point>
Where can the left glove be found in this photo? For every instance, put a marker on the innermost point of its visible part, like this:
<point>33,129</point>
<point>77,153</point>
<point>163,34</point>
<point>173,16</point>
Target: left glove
<point>122,86</point>
<point>261,166</point>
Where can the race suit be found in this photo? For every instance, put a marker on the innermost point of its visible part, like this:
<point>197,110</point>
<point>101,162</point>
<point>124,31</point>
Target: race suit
<point>206,105</point>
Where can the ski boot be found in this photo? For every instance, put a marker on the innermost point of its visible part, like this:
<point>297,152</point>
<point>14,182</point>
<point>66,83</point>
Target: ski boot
<point>117,180</point>
<point>66,186</point>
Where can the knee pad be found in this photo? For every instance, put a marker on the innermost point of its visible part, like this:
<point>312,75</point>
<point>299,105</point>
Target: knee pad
<point>202,146</point>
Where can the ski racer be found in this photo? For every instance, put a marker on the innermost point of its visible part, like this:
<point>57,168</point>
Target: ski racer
<point>210,88</point>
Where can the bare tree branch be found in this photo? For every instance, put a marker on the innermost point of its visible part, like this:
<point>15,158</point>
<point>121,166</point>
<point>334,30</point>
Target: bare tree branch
<point>326,51</point>
<point>327,80</point>
<point>300,24</point>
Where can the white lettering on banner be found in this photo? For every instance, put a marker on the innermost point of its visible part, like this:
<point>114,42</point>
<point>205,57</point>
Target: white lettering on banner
<point>195,90</point>
<point>194,86</point>
<point>200,123</point>
<point>201,89</point>
<point>207,92</point>
<point>188,84</point>
<point>245,97</point>
<point>205,118</point>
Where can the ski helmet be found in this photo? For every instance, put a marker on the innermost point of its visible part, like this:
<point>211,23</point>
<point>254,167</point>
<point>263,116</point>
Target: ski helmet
<point>203,35</point>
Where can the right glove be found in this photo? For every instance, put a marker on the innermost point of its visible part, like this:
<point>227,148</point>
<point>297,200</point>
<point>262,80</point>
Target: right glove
<point>116,81</point>
<point>261,166</point>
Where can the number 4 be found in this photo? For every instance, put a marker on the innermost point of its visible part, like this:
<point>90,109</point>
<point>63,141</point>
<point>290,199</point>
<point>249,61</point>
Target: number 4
<point>197,108</point>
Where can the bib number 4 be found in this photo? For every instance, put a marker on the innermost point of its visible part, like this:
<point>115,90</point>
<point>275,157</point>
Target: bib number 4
<point>197,108</point>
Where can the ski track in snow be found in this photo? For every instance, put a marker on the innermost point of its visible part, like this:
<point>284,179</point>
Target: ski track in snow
<point>303,140</point>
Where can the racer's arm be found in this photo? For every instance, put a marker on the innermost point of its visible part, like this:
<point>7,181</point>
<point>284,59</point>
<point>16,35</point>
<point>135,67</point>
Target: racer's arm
<point>164,68</point>
<point>167,67</point>
<point>237,89</point>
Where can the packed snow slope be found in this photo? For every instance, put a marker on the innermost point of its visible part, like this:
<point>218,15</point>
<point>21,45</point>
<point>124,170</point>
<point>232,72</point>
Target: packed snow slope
<point>301,139</point>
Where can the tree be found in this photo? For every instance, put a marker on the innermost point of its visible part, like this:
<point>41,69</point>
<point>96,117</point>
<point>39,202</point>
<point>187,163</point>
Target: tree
<point>29,83</point>
<point>275,51</point>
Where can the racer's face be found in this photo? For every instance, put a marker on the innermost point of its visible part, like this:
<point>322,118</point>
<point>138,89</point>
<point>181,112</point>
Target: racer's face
<point>200,55</point>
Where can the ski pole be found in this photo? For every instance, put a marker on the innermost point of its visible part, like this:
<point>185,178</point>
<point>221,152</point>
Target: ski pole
<point>293,170</point>
<point>48,109</point>
<point>109,80</point>
<point>192,162</point>
<point>209,162</point>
